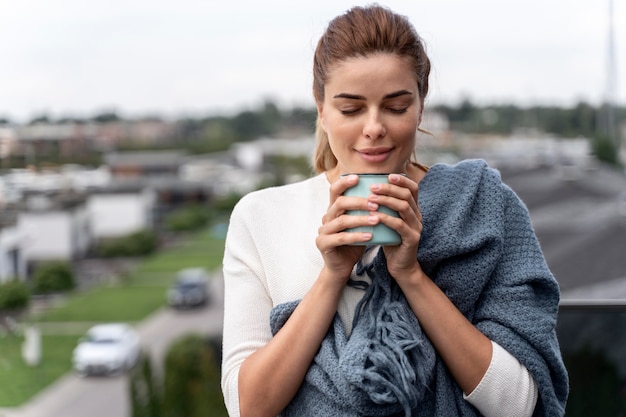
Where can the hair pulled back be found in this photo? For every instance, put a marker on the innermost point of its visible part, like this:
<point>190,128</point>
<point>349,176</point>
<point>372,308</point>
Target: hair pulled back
<point>360,32</point>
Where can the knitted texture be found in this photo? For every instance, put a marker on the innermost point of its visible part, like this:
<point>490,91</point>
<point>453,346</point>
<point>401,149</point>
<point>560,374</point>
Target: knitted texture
<point>479,247</point>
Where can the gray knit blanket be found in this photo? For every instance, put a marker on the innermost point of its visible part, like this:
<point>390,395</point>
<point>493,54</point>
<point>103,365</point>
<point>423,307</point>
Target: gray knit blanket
<point>479,247</point>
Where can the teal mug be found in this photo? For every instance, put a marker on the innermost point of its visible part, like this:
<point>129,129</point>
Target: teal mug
<point>381,233</point>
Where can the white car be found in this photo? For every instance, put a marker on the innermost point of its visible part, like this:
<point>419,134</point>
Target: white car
<point>107,349</point>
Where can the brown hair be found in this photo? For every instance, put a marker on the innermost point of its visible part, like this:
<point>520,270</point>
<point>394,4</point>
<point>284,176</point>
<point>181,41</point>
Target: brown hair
<point>360,32</point>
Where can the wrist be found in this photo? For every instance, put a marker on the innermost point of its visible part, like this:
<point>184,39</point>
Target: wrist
<point>412,280</point>
<point>332,279</point>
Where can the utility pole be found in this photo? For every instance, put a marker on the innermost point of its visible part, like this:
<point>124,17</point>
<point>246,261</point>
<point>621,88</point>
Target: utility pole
<point>611,84</point>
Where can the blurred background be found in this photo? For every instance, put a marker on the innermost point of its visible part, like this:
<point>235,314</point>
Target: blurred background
<point>129,129</point>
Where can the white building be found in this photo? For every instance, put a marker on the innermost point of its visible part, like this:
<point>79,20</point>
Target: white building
<point>54,228</point>
<point>117,212</point>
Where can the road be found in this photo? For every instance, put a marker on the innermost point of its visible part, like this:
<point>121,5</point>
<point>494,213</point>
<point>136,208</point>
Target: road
<point>73,396</point>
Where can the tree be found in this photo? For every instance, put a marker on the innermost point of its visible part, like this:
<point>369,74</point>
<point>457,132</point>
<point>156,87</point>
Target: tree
<point>106,117</point>
<point>605,149</point>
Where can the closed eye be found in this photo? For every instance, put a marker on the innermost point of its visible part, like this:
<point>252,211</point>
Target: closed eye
<point>398,110</point>
<point>348,112</point>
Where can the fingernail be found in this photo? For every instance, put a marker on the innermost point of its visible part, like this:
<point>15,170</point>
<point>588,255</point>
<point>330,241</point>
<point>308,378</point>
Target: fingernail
<point>372,219</point>
<point>372,206</point>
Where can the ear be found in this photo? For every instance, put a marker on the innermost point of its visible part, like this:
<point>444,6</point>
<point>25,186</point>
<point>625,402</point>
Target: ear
<point>320,116</point>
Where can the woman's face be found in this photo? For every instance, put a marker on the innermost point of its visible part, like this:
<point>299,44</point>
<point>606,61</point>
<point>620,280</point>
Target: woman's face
<point>371,112</point>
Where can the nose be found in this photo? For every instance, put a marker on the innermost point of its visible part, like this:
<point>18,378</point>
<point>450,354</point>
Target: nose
<point>374,127</point>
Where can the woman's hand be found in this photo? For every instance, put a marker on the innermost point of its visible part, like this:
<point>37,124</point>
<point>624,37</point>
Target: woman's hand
<point>400,195</point>
<point>333,241</point>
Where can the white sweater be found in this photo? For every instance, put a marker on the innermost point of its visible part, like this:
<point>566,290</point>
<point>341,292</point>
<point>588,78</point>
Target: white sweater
<point>271,258</point>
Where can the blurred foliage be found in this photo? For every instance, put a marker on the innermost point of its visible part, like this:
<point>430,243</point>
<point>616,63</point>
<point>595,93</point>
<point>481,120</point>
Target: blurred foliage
<point>224,205</point>
<point>192,379</point>
<point>145,391</point>
<point>187,218</point>
<point>53,276</point>
<point>14,295</point>
<point>143,242</point>
<point>583,119</point>
<point>605,149</point>
<point>191,382</point>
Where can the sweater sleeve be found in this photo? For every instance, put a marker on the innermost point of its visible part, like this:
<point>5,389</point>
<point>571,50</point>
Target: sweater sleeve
<point>245,300</point>
<point>507,388</point>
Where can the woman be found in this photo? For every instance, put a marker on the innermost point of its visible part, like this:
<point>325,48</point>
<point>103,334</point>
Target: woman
<point>456,320</point>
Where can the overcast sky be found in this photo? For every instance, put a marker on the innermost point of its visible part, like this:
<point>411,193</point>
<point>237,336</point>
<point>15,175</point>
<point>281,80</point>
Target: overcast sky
<point>199,57</point>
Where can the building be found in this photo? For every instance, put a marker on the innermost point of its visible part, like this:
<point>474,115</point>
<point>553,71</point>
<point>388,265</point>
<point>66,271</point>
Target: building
<point>12,261</point>
<point>119,210</point>
<point>54,226</point>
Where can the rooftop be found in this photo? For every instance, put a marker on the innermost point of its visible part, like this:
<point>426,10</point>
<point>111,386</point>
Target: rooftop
<point>580,222</point>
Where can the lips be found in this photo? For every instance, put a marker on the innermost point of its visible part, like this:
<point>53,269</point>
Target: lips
<point>375,154</point>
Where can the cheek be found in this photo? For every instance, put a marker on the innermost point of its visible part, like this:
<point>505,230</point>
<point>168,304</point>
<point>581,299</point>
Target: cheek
<point>339,130</point>
<point>405,131</point>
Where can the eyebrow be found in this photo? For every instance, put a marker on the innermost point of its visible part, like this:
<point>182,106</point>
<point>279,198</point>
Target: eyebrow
<point>358,97</point>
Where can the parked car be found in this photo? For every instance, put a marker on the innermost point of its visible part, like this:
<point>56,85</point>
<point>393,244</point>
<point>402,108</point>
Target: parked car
<point>107,349</point>
<point>189,289</point>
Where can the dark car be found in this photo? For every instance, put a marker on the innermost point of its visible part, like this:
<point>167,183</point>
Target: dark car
<point>190,289</point>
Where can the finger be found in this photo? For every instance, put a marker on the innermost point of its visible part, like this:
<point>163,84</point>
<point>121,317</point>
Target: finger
<point>404,227</point>
<point>403,204</point>
<point>338,187</point>
<point>346,221</point>
<point>405,182</point>
<point>327,243</point>
<point>403,189</point>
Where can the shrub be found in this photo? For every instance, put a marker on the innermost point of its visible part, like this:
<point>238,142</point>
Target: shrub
<point>53,276</point>
<point>14,295</point>
<point>140,243</point>
<point>145,393</point>
<point>188,218</point>
<point>192,379</point>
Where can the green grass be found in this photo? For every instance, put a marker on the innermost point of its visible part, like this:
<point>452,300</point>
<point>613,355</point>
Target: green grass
<point>19,381</point>
<point>141,293</point>
<point>120,303</point>
<point>201,250</point>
